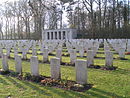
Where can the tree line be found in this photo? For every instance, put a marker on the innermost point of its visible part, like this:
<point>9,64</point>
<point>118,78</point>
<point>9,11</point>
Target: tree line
<point>26,19</point>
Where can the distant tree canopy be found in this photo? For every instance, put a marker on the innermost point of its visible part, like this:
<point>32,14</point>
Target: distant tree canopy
<point>26,19</point>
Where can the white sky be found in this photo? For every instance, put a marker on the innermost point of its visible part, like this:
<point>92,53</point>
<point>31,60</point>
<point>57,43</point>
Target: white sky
<point>2,1</point>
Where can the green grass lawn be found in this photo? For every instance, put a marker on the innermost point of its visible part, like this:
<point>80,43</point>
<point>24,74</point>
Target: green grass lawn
<point>106,84</point>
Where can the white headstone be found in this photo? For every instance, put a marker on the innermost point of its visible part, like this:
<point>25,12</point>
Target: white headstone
<point>18,64</point>
<point>45,55</point>
<point>122,52</point>
<point>1,52</point>
<point>34,66</point>
<point>73,56</point>
<point>15,51</point>
<point>106,48</point>
<point>94,50</point>
<point>8,51</point>
<point>55,68</point>
<point>59,54</point>
<point>5,62</point>
<point>81,52</point>
<point>81,71</point>
<point>128,48</point>
<point>34,52</point>
<point>109,58</point>
<point>90,57</point>
<point>24,53</point>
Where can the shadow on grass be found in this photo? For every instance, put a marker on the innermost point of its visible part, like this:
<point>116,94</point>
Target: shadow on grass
<point>118,71</point>
<point>58,91</point>
<point>66,93</point>
<point>94,92</point>
<point>121,71</point>
<point>17,84</point>
<point>38,89</point>
<point>103,94</point>
<point>13,81</point>
<point>3,81</point>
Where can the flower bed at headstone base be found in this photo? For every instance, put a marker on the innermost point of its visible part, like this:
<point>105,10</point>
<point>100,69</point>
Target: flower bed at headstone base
<point>103,67</point>
<point>109,68</point>
<point>48,81</point>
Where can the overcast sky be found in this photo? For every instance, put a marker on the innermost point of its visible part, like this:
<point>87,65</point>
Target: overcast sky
<point>2,1</point>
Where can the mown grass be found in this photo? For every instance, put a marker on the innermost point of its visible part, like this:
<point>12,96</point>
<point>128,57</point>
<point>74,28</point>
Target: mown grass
<point>106,84</point>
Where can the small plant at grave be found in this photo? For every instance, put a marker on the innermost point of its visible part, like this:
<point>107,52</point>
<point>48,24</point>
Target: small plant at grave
<point>50,82</point>
<point>20,77</point>
<point>27,76</point>
<point>80,87</point>
<point>64,82</point>
<point>36,78</point>
<point>66,79</point>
